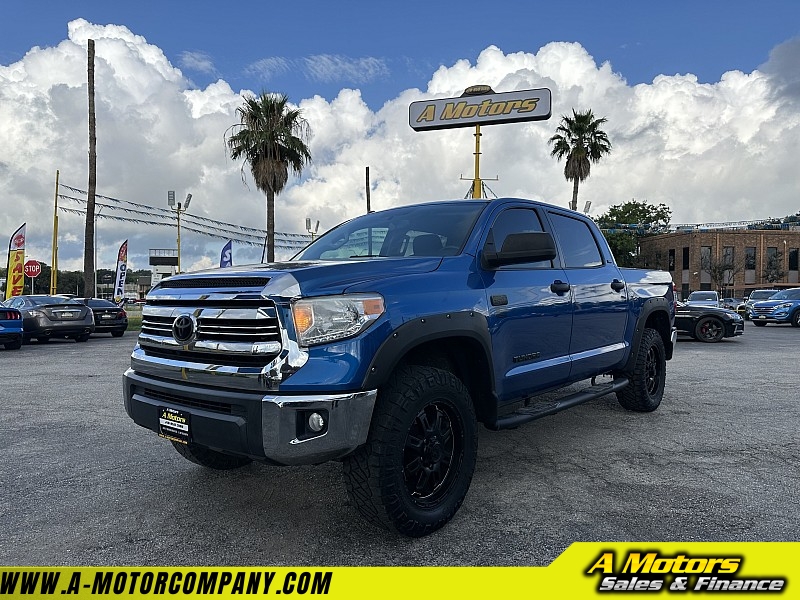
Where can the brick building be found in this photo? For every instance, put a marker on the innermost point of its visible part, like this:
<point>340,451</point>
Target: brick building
<point>732,261</point>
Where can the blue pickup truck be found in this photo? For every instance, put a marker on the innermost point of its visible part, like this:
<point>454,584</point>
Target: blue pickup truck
<point>387,340</point>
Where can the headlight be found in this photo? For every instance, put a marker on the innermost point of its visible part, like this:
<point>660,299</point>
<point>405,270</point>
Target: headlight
<point>784,305</point>
<point>330,318</point>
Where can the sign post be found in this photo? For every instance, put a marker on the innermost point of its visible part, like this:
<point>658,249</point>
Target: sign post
<point>480,105</point>
<point>32,269</point>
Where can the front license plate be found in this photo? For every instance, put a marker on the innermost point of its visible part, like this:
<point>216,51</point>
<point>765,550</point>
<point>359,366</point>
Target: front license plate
<point>174,425</point>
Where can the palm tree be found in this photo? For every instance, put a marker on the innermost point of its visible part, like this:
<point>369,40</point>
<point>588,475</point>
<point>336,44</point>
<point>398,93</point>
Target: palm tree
<point>579,139</point>
<point>271,137</point>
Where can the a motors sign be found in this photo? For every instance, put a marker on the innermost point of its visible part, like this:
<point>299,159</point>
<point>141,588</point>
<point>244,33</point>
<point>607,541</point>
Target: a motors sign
<point>33,268</point>
<point>484,109</point>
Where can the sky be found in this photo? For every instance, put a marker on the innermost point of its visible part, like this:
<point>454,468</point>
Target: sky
<point>702,100</point>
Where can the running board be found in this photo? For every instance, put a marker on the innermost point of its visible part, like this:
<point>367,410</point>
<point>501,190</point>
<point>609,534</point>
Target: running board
<point>531,413</point>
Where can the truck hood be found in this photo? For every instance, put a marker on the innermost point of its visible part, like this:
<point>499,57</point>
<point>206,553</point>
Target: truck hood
<point>296,278</point>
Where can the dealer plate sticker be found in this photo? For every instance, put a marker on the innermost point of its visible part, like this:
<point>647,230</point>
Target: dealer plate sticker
<point>174,425</point>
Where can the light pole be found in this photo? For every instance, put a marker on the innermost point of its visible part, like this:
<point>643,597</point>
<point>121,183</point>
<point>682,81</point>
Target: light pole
<point>95,248</point>
<point>313,231</point>
<point>179,209</point>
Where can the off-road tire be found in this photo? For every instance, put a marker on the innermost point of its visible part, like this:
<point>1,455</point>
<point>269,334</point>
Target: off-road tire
<point>795,320</point>
<point>760,323</point>
<point>648,376</point>
<point>211,459</point>
<point>423,423</point>
<point>117,333</point>
<point>709,329</point>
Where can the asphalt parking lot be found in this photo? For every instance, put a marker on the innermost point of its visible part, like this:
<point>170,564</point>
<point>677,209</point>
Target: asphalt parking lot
<point>83,485</point>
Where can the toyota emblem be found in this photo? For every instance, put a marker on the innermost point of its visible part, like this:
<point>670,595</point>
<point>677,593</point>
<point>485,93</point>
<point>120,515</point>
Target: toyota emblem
<point>184,328</point>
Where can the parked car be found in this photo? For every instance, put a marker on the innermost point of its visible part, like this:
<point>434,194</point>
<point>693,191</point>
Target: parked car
<point>45,317</point>
<point>108,317</point>
<point>703,299</point>
<point>755,296</point>
<point>10,327</point>
<point>731,303</point>
<point>707,323</point>
<point>782,307</point>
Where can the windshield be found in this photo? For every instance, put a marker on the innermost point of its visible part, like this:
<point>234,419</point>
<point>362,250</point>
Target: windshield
<point>793,294</point>
<point>703,296</point>
<point>762,295</point>
<point>438,229</point>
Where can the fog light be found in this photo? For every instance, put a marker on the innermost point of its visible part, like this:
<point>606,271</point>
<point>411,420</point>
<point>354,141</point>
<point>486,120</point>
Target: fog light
<point>316,422</point>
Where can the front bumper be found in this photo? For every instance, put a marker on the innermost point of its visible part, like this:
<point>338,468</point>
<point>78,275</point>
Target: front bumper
<point>734,328</point>
<point>270,428</point>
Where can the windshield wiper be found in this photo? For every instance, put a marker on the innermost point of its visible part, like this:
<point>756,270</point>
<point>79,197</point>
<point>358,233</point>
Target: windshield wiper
<point>366,256</point>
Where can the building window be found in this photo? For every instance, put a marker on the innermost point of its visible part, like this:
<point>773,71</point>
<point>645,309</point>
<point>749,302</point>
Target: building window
<point>750,265</point>
<point>705,267</point>
<point>728,258</point>
<point>686,258</point>
<point>672,259</point>
<point>793,259</point>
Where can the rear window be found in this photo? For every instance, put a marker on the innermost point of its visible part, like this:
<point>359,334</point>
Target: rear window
<point>43,300</point>
<point>98,303</point>
<point>703,296</point>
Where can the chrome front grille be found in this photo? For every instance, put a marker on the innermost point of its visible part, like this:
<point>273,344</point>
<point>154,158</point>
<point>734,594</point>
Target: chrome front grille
<point>224,334</point>
<point>761,310</point>
<point>230,328</point>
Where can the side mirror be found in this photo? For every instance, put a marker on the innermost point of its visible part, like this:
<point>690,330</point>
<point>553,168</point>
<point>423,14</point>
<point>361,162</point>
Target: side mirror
<point>520,248</point>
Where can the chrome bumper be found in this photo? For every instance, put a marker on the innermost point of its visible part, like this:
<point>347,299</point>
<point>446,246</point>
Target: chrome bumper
<point>271,428</point>
<point>283,418</point>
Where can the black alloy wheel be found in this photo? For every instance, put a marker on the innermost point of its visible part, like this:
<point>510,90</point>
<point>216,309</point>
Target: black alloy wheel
<point>709,329</point>
<point>434,442</point>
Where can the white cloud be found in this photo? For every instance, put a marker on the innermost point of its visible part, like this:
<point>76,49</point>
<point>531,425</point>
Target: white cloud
<point>712,152</point>
<point>330,68</point>
<point>267,68</point>
<point>197,61</point>
<point>322,68</point>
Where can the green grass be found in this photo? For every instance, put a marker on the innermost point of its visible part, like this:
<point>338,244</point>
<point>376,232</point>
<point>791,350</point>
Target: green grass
<point>134,323</point>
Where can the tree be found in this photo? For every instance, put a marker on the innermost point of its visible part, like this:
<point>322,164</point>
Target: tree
<point>723,270</point>
<point>580,140</point>
<point>623,225</point>
<point>270,137</point>
<point>773,270</point>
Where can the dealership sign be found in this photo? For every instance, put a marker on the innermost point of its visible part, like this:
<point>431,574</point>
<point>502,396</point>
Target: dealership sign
<point>477,108</point>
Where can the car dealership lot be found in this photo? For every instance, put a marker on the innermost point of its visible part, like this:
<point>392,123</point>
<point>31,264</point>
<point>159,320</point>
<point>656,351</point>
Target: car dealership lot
<point>83,485</point>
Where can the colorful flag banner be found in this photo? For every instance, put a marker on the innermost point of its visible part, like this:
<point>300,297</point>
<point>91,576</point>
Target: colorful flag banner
<point>15,278</point>
<point>226,256</point>
<point>122,269</point>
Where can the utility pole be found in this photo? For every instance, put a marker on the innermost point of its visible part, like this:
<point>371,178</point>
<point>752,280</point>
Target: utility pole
<point>88,240</point>
<point>54,260</point>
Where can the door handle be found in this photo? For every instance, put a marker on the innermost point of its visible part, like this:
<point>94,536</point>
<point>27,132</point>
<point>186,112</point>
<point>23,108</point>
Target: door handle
<point>617,285</point>
<point>559,287</point>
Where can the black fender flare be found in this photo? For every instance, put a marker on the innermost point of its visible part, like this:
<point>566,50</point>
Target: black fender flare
<point>649,307</point>
<point>470,324</point>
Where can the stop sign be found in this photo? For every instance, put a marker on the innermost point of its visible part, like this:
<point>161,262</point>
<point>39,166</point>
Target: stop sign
<point>32,268</point>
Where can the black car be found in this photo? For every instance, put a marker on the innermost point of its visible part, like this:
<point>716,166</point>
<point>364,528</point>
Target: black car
<point>108,317</point>
<point>707,323</point>
<point>44,317</point>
